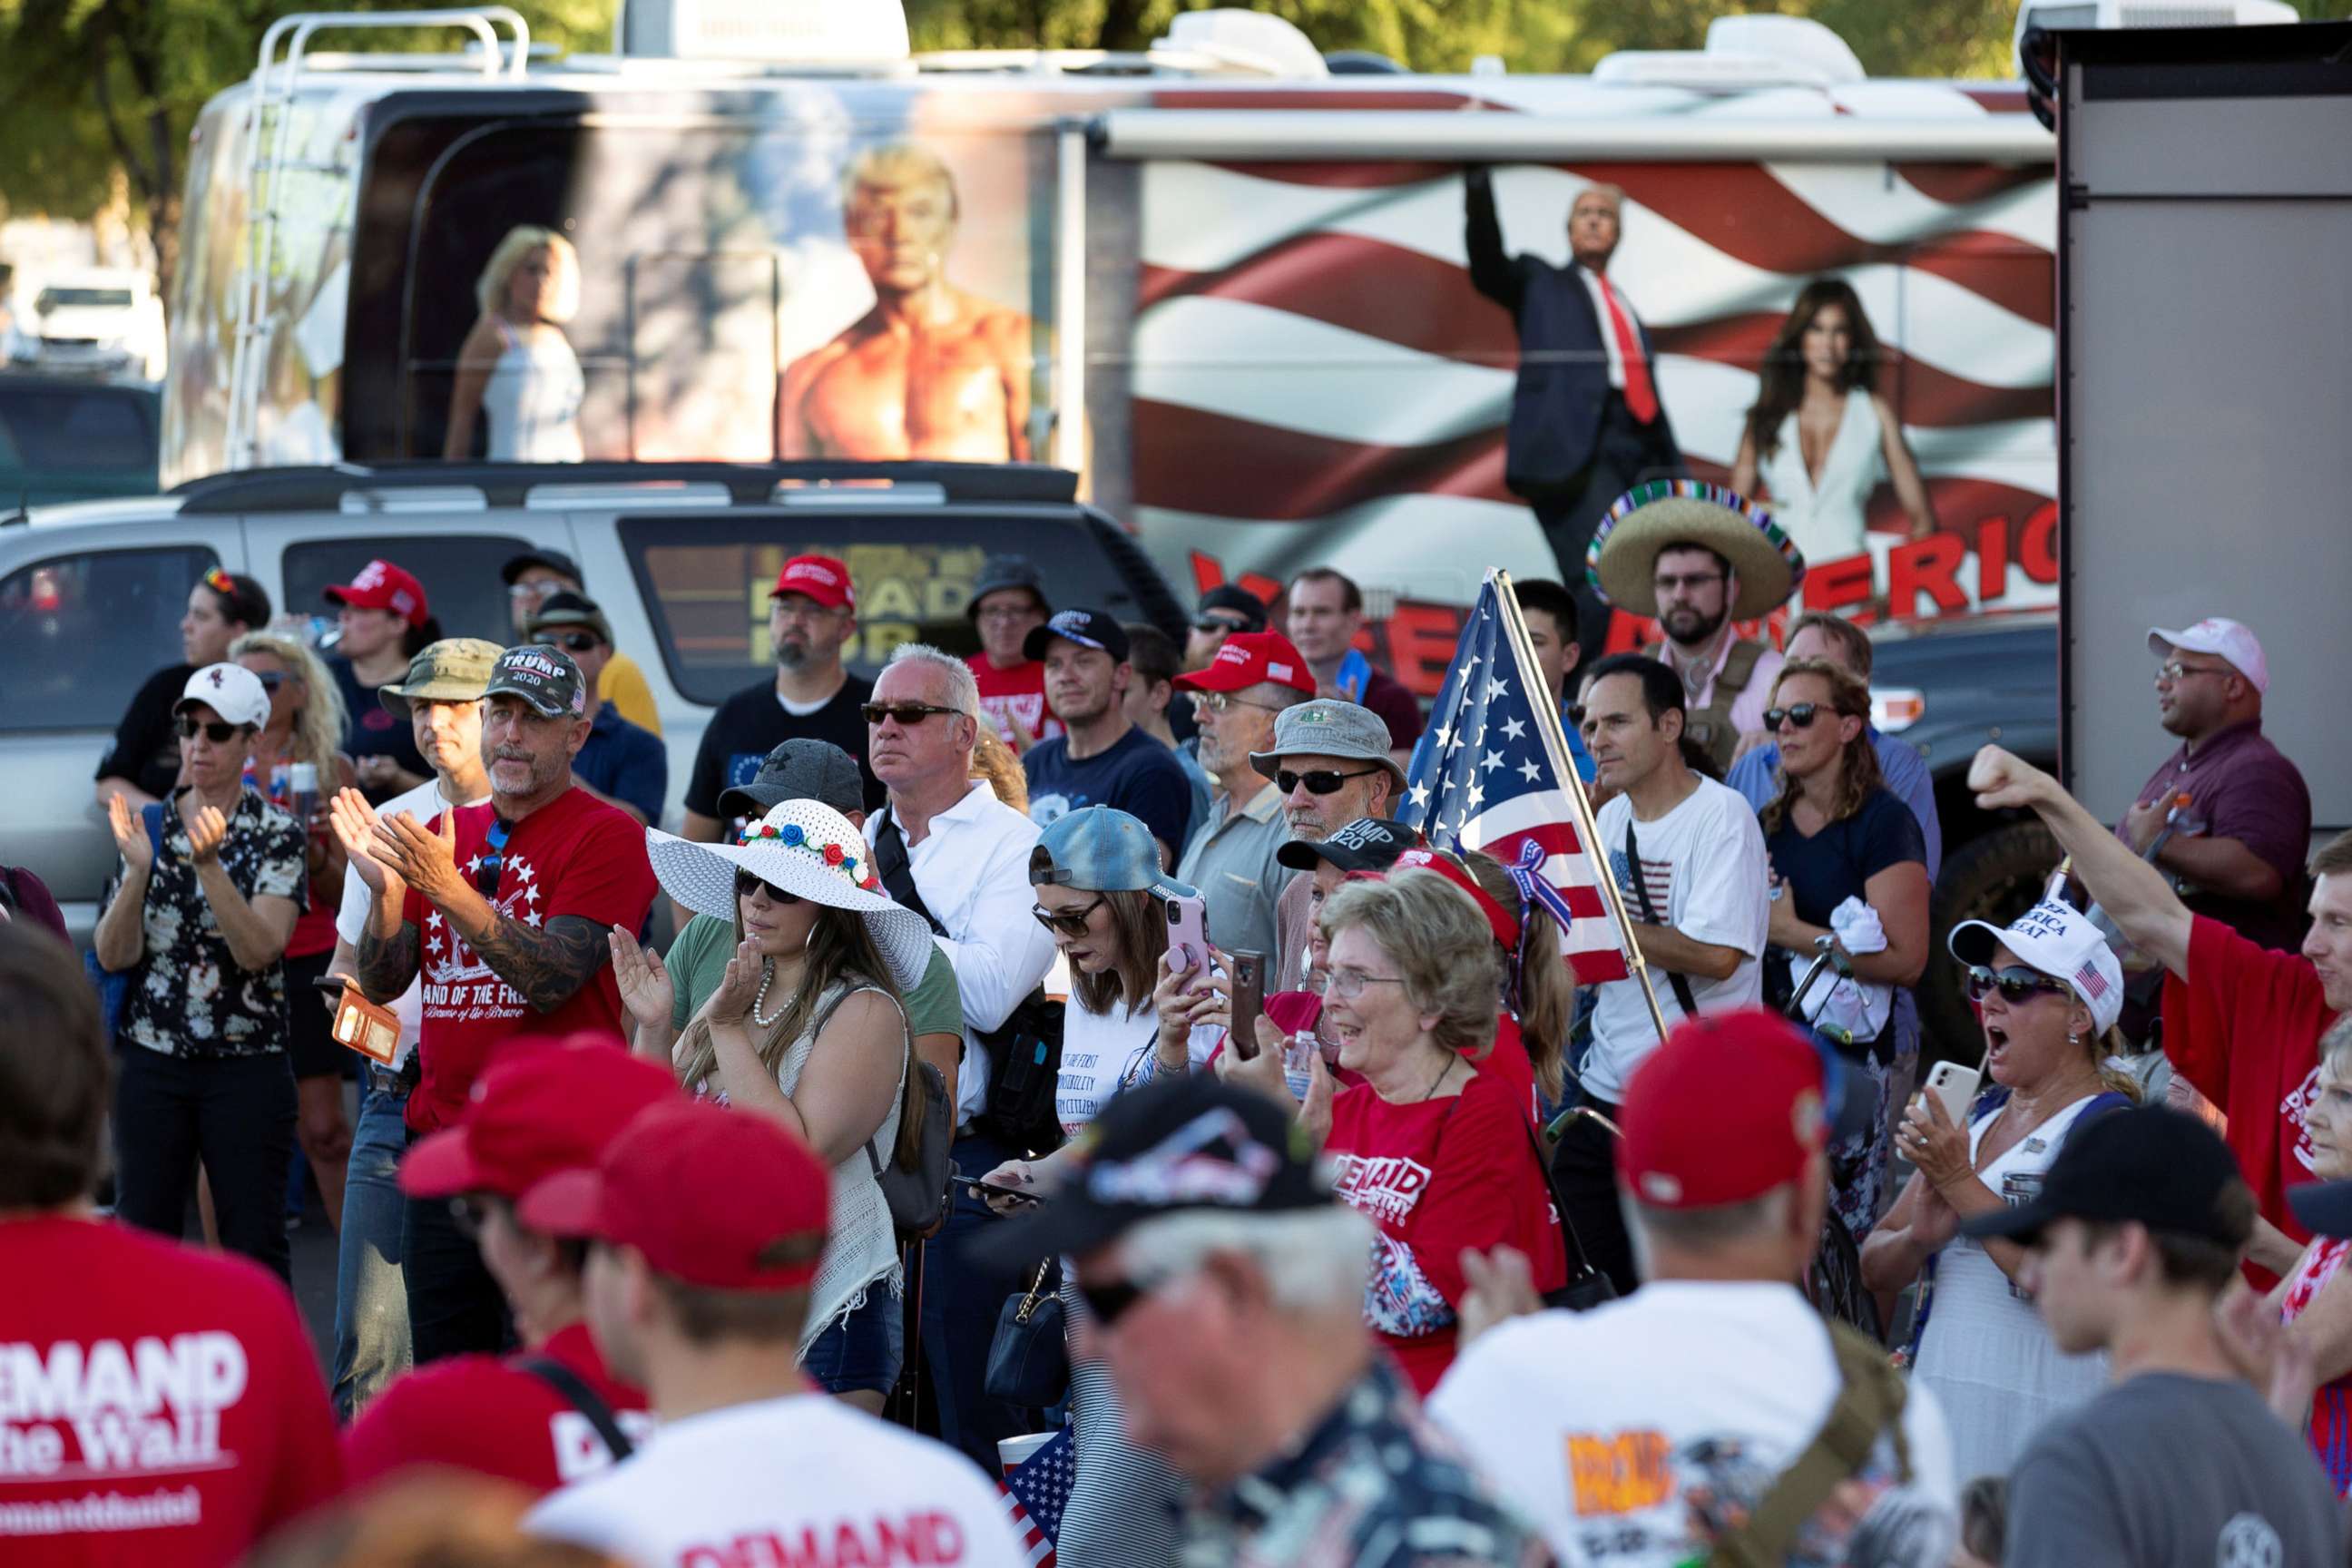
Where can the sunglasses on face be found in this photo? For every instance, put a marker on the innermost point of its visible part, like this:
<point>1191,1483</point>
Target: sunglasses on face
<point>1322,780</point>
<point>2016,983</point>
<point>908,714</point>
<point>569,642</point>
<point>1218,623</point>
<point>216,732</point>
<point>1801,714</point>
<point>271,679</point>
<point>1069,923</point>
<point>1109,1299</point>
<point>748,885</point>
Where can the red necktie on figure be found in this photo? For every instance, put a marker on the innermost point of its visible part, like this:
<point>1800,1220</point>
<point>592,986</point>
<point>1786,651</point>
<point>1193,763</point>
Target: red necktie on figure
<point>1641,397</point>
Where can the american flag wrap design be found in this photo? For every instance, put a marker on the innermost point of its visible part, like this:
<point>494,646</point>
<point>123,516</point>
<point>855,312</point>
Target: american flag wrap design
<point>1035,1493</point>
<point>1482,778</point>
<point>2093,984</point>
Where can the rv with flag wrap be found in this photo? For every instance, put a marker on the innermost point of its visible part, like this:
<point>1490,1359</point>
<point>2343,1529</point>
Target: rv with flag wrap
<point>1231,287</point>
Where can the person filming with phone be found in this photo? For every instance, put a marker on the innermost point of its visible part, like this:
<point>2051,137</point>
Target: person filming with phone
<point>2048,990</point>
<point>1137,1011</point>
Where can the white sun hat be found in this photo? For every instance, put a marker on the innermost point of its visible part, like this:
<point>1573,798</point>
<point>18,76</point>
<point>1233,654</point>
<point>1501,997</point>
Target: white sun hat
<point>809,850</point>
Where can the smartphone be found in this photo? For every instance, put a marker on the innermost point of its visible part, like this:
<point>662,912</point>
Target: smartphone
<point>986,1190</point>
<point>1248,973</point>
<point>333,985</point>
<point>1188,937</point>
<point>1956,1086</point>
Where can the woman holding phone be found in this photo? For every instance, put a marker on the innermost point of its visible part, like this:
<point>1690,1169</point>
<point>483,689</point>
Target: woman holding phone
<point>1131,1016</point>
<point>2048,1032</point>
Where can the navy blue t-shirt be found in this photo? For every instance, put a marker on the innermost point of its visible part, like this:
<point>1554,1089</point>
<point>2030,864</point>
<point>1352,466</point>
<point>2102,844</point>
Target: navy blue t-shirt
<point>371,730</point>
<point>1835,864</point>
<point>1137,775</point>
<point>625,762</point>
<point>752,722</point>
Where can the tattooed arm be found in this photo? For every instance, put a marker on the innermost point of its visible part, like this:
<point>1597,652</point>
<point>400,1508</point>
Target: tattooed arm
<point>548,964</point>
<point>387,962</point>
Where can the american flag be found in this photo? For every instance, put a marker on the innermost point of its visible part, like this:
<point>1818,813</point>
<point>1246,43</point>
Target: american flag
<point>2094,983</point>
<point>1482,778</point>
<point>1035,1493</point>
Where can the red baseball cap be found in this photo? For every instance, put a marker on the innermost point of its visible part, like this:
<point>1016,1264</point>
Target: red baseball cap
<point>381,586</point>
<point>1729,1107</point>
<point>724,1199</point>
<point>1248,657</point>
<point>542,1107</point>
<point>821,577</point>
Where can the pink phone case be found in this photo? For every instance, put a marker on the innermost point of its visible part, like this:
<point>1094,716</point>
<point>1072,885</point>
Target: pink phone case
<point>1188,937</point>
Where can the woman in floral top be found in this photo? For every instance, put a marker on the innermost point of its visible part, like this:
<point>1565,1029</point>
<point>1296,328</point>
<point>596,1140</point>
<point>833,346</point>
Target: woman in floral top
<point>209,889</point>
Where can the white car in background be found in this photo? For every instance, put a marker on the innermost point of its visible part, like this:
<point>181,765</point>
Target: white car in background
<point>91,321</point>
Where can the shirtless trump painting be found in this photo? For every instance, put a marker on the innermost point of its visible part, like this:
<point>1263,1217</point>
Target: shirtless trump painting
<point>930,371</point>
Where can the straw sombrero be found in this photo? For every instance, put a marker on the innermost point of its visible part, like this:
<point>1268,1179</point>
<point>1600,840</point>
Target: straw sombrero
<point>1648,518</point>
<point>805,849</point>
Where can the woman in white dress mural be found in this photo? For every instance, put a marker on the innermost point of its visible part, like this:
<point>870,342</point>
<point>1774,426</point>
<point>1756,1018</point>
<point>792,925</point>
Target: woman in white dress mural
<point>1820,436</point>
<point>517,369</point>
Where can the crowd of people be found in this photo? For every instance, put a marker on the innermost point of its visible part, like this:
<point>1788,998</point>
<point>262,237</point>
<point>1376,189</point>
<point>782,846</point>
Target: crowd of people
<point>1080,1042</point>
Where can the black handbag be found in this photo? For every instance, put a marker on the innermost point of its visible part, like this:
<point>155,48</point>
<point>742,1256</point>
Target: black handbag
<point>1586,1287</point>
<point>1029,1360</point>
<point>917,1193</point>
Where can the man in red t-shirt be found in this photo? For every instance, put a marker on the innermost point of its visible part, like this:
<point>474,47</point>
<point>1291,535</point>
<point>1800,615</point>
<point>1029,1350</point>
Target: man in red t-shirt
<point>2241,1024</point>
<point>503,911</point>
<point>1007,602</point>
<point>542,1419</point>
<point>158,1405</point>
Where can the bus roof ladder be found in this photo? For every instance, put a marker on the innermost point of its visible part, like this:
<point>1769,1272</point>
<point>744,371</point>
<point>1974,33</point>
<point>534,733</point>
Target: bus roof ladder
<point>269,142</point>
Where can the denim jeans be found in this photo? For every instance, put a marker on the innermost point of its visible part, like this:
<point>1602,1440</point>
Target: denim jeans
<point>961,1300</point>
<point>370,1303</point>
<point>861,1353</point>
<point>235,1114</point>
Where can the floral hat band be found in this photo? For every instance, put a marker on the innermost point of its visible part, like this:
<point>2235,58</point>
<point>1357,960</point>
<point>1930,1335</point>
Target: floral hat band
<point>853,865</point>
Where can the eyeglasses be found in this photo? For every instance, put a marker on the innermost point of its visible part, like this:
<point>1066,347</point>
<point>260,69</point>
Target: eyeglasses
<point>540,590</point>
<point>1109,1299</point>
<point>1011,612</point>
<point>216,732</point>
<point>1347,983</point>
<point>908,714</point>
<point>1667,584</point>
<point>1801,714</point>
<point>2017,983</point>
<point>569,642</point>
<point>487,870</point>
<point>1219,701</point>
<point>1218,623</point>
<point>469,1213</point>
<point>2177,672</point>
<point>749,885</point>
<point>1322,780</point>
<point>1069,923</point>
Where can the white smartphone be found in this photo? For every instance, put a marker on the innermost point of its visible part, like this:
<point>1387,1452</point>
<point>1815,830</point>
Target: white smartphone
<point>1188,937</point>
<point>1956,1086</point>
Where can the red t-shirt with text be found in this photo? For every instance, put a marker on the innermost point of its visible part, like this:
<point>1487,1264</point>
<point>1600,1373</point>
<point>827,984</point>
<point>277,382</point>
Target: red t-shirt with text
<point>158,1405</point>
<point>1436,1176</point>
<point>2244,1031</point>
<point>574,856</point>
<point>481,1413</point>
<point>1015,700</point>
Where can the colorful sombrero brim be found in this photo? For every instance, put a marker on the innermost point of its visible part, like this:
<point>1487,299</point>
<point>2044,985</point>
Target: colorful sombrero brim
<point>1623,559</point>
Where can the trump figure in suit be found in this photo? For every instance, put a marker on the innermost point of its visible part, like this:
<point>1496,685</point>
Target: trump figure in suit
<point>1586,422</point>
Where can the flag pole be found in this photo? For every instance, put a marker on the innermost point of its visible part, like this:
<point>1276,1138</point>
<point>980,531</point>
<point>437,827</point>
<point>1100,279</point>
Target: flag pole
<point>1555,741</point>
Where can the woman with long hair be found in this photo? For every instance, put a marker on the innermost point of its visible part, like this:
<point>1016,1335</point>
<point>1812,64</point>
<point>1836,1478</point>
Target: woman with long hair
<point>2048,991</point>
<point>1820,435</point>
<point>804,1023</point>
<point>1849,863</point>
<point>997,762</point>
<point>516,366</point>
<point>306,731</point>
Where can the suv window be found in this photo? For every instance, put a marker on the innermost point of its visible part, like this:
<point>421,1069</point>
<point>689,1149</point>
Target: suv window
<point>705,582</point>
<point>459,571</point>
<point>80,633</point>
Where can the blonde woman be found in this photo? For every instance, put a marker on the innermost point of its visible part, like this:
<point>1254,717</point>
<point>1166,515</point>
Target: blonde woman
<point>305,730</point>
<point>516,367</point>
<point>997,762</point>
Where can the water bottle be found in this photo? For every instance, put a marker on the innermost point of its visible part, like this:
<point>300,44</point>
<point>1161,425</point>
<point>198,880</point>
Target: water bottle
<point>302,786</point>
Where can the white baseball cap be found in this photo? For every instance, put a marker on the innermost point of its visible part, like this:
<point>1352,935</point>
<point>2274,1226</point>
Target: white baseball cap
<point>2218,635</point>
<point>231,690</point>
<point>2060,940</point>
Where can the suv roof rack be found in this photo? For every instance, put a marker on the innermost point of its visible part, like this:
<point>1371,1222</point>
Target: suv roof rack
<point>511,484</point>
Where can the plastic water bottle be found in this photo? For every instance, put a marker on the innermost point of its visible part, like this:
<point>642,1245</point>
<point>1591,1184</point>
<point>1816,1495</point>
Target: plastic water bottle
<point>302,791</point>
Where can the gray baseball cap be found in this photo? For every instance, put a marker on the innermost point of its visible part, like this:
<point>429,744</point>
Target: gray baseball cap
<point>800,769</point>
<point>1001,572</point>
<point>454,670</point>
<point>1327,727</point>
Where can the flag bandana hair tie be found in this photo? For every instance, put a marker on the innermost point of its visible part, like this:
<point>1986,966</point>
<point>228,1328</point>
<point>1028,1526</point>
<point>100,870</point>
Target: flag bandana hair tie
<point>1534,893</point>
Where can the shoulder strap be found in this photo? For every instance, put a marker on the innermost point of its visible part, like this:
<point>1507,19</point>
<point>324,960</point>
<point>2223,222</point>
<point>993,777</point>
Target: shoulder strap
<point>573,1390</point>
<point>1870,1402</point>
<point>1738,668</point>
<point>898,873</point>
<point>1650,912</point>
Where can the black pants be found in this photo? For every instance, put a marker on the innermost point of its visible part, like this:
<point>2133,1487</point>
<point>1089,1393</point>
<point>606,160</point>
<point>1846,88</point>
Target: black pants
<point>1585,1168</point>
<point>1624,454</point>
<point>455,1308</point>
<point>235,1115</point>
<point>962,1299</point>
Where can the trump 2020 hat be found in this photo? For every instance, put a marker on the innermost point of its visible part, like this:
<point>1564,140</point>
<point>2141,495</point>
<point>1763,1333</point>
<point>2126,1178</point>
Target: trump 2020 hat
<point>727,1200</point>
<point>540,1106</point>
<point>2150,1165</point>
<point>381,586</point>
<point>543,677</point>
<point>818,577</point>
<point>2060,940</point>
<point>1246,660</point>
<point>1366,844</point>
<point>2224,639</point>
<point>1087,628</point>
<point>231,690</point>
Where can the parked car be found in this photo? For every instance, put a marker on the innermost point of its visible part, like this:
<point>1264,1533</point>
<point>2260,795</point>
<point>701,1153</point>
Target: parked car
<point>92,321</point>
<point>63,438</point>
<point>680,556</point>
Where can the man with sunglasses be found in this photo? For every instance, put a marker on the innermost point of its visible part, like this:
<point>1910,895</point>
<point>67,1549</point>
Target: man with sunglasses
<point>1223,611</point>
<point>537,573</point>
<point>1253,679</point>
<point>619,764</point>
<point>1331,763</point>
<point>503,909</point>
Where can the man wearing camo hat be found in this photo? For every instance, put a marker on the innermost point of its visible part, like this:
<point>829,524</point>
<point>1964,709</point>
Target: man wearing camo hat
<point>1330,763</point>
<point>502,911</point>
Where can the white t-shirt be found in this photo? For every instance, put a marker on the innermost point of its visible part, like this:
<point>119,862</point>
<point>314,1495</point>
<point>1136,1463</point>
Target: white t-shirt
<point>1627,1434</point>
<point>1102,1051</point>
<point>424,802</point>
<point>1704,867</point>
<point>804,1479</point>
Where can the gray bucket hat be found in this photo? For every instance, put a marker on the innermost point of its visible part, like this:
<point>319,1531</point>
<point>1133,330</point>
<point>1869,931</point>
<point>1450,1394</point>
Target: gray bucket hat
<point>455,670</point>
<point>1327,727</point>
<point>800,769</point>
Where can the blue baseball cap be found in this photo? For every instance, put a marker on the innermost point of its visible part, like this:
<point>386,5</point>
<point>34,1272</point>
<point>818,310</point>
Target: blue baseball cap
<point>1100,849</point>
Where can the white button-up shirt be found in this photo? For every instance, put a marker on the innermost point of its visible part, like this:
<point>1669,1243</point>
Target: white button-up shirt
<point>973,870</point>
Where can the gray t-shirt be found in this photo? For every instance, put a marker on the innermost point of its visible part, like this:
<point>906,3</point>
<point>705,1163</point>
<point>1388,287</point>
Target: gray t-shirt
<point>2171,1472</point>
